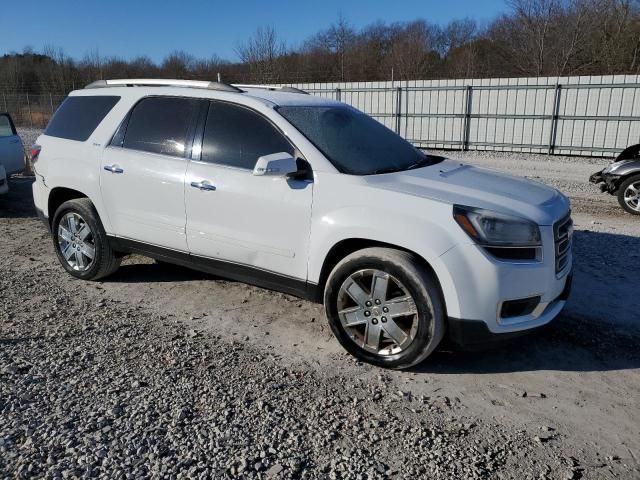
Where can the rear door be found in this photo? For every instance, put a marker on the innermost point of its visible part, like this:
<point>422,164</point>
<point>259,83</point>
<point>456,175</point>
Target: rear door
<point>143,171</point>
<point>11,150</point>
<point>245,220</point>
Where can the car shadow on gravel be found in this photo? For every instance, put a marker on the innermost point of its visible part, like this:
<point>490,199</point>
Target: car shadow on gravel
<point>18,203</point>
<point>156,273</point>
<point>567,344</point>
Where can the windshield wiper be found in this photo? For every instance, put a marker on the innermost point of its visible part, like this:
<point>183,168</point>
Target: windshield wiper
<point>385,170</point>
<point>425,162</point>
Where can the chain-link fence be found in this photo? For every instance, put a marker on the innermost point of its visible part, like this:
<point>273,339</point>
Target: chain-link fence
<point>28,110</point>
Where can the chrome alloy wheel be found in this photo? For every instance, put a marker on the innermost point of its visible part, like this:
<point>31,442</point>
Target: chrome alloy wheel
<point>76,242</point>
<point>632,196</point>
<point>377,312</point>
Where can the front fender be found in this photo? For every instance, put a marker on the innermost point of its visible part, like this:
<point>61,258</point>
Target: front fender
<point>624,168</point>
<point>429,238</point>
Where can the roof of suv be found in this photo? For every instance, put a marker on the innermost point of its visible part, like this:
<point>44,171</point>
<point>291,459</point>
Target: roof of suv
<point>279,96</point>
<point>287,98</point>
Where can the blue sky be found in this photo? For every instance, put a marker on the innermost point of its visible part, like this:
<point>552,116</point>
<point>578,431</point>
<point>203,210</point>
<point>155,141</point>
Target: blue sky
<point>128,28</point>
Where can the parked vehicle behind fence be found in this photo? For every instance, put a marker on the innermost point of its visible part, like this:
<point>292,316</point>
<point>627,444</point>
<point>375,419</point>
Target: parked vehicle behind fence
<point>12,159</point>
<point>622,178</point>
<point>308,196</point>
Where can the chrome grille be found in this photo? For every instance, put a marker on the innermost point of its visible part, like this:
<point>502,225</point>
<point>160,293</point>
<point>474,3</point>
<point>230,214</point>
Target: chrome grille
<point>563,236</point>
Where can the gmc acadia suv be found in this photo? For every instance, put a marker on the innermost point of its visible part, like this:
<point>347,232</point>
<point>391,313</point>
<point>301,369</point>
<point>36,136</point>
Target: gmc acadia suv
<point>308,196</point>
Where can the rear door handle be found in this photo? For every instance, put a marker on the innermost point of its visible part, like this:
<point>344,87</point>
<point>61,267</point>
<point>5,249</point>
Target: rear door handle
<point>15,140</point>
<point>113,169</point>
<point>203,185</point>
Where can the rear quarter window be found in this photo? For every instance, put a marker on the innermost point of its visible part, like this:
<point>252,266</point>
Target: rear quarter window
<point>78,117</point>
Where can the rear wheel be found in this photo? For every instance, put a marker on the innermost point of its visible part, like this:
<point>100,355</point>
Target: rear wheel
<point>80,241</point>
<point>629,195</point>
<point>385,307</point>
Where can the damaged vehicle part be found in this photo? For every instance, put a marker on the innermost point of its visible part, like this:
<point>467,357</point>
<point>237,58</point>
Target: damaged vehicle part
<point>622,178</point>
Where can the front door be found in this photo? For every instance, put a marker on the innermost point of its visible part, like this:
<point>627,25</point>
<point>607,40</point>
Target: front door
<point>143,174</point>
<point>238,218</point>
<point>11,151</point>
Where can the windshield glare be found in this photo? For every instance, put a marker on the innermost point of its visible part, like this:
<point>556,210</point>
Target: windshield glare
<point>354,142</point>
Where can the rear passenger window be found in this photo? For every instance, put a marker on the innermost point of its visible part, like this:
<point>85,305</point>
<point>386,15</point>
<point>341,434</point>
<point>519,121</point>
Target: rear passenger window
<point>238,136</point>
<point>6,127</point>
<point>78,117</point>
<point>162,125</point>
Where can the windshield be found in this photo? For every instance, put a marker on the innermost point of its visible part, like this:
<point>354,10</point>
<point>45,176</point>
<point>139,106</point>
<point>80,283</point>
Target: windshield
<point>354,142</point>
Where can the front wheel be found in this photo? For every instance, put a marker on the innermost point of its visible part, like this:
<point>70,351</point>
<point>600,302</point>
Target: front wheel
<point>80,241</point>
<point>385,307</point>
<point>629,195</point>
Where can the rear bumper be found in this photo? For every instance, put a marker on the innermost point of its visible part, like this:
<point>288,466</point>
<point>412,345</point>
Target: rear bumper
<point>40,194</point>
<point>475,333</point>
<point>44,219</point>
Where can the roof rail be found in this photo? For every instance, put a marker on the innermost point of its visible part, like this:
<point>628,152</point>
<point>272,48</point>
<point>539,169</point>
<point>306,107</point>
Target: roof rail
<point>271,87</point>
<point>161,82</point>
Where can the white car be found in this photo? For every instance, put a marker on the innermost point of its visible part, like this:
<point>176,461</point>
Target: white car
<point>307,196</point>
<point>11,151</point>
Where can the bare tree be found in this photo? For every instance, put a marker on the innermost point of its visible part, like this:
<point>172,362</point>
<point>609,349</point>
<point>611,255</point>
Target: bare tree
<point>178,64</point>
<point>261,53</point>
<point>414,49</point>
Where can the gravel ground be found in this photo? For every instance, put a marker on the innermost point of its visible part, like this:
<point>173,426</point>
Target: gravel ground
<point>163,372</point>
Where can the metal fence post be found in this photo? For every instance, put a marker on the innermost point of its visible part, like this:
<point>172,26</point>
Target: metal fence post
<point>4,99</point>
<point>51,103</point>
<point>398,108</point>
<point>554,119</point>
<point>29,107</point>
<point>466,126</point>
<point>338,95</point>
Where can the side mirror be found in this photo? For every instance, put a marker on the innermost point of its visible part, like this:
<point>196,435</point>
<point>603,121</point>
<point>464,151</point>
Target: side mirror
<point>276,165</point>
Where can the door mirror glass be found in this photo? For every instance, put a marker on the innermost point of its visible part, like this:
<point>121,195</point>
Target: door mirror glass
<point>276,165</point>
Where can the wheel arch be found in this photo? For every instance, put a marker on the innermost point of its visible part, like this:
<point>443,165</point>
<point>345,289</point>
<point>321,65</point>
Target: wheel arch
<point>58,196</point>
<point>348,246</point>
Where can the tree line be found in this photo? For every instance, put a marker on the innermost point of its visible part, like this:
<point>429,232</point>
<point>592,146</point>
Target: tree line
<point>532,38</point>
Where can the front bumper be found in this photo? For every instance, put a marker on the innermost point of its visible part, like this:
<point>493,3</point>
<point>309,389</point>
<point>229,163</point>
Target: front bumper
<point>607,181</point>
<point>479,288</point>
<point>473,334</point>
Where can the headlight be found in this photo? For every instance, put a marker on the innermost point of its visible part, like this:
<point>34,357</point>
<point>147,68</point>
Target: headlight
<point>493,229</point>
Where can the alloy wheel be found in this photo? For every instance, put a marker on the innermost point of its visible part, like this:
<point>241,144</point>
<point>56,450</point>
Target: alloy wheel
<point>632,196</point>
<point>76,242</point>
<point>377,312</point>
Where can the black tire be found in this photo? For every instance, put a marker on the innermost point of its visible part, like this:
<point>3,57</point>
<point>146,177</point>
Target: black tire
<point>105,261</point>
<point>623,187</point>
<point>419,282</point>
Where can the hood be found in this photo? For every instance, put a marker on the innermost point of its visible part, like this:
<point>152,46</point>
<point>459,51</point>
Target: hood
<point>457,183</point>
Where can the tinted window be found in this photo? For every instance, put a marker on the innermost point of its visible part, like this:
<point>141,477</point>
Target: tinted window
<point>354,142</point>
<point>6,127</point>
<point>78,117</point>
<point>161,125</point>
<point>238,136</point>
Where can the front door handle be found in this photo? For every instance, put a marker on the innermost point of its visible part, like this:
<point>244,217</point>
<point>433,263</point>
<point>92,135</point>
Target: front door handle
<point>15,140</point>
<point>113,169</point>
<point>203,185</point>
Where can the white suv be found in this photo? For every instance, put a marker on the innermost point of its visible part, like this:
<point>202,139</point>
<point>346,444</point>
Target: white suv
<point>308,196</point>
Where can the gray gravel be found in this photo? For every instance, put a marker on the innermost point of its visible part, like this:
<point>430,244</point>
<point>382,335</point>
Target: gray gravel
<point>97,388</point>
